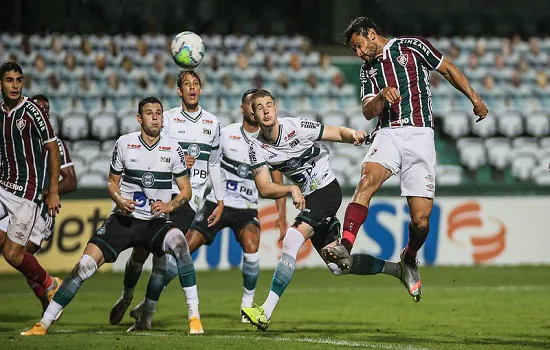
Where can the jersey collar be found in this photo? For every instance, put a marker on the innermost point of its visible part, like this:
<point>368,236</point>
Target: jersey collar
<point>189,117</point>
<point>15,108</point>
<point>387,47</point>
<point>147,147</point>
<point>246,137</point>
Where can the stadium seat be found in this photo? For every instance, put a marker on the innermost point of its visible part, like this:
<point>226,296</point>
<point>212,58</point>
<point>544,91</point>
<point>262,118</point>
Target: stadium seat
<point>485,128</point>
<point>525,142</point>
<point>79,164</point>
<point>544,143</point>
<point>93,179</point>
<point>108,145</point>
<point>334,118</point>
<point>522,166</point>
<point>456,124</point>
<point>510,123</point>
<point>448,175</point>
<point>498,151</point>
<point>104,126</point>
<point>128,125</point>
<point>471,152</point>
<point>541,175</point>
<point>100,163</point>
<point>75,127</point>
<point>537,123</point>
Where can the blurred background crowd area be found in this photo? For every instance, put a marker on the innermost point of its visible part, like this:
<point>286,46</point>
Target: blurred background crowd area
<point>95,80</point>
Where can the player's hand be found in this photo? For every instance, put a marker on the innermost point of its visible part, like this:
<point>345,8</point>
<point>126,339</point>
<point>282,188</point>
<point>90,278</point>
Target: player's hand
<point>282,225</point>
<point>390,94</point>
<point>480,109</point>
<point>189,160</point>
<point>297,198</point>
<point>126,205</point>
<point>359,136</point>
<point>159,207</point>
<point>216,215</point>
<point>54,203</point>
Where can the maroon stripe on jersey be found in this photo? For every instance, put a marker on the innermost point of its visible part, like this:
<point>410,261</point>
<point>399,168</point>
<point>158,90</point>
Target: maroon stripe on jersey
<point>30,191</point>
<point>416,112</point>
<point>391,81</point>
<point>10,150</point>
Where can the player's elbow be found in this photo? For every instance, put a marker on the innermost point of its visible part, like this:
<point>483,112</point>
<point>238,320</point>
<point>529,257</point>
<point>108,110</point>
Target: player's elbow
<point>72,184</point>
<point>187,193</point>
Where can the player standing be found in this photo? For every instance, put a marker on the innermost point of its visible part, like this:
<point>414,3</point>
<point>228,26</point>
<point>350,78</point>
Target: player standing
<point>43,228</point>
<point>395,88</point>
<point>25,134</point>
<point>198,133</point>
<point>291,145</point>
<point>143,166</point>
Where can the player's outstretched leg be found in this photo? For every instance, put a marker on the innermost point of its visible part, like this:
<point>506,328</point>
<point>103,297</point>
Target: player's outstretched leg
<point>260,316</point>
<point>85,268</point>
<point>132,272</point>
<point>250,272</point>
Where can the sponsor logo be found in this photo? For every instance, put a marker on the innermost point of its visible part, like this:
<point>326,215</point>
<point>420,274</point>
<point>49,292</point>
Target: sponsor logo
<point>271,156</point>
<point>181,132</point>
<point>243,170</point>
<point>194,150</point>
<point>207,121</point>
<point>165,148</point>
<point>232,185</point>
<point>101,230</point>
<point>233,150</point>
<point>179,120</point>
<point>265,146</point>
<point>37,115</point>
<point>374,150</point>
<point>403,59</point>
<point>132,160</point>
<point>309,124</point>
<point>181,154</point>
<point>21,124</point>
<point>372,72</point>
<point>290,135</point>
<point>234,137</point>
<point>252,155</point>
<point>133,146</point>
<point>148,179</point>
<point>11,185</point>
<point>165,159</point>
<point>206,131</point>
<point>140,198</point>
<point>294,143</point>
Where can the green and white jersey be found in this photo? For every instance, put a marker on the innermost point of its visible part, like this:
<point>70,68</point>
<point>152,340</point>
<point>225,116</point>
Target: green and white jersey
<point>147,171</point>
<point>237,180</point>
<point>297,153</point>
<point>198,134</point>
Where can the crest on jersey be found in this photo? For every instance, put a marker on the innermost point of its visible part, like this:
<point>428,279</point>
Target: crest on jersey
<point>21,124</point>
<point>243,170</point>
<point>372,72</point>
<point>293,164</point>
<point>403,59</point>
<point>148,179</point>
<point>194,150</point>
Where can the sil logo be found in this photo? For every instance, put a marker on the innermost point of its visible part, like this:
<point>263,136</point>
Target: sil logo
<point>487,235</point>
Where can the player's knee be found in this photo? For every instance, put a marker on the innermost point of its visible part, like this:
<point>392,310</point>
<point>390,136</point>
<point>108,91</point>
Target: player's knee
<point>250,240</point>
<point>175,242</point>
<point>85,268</point>
<point>13,254</point>
<point>421,222</point>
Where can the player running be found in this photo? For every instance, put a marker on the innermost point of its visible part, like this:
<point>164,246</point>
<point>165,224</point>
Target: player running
<point>291,145</point>
<point>43,228</point>
<point>198,133</point>
<point>143,166</point>
<point>395,88</point>
<point>24,136</point>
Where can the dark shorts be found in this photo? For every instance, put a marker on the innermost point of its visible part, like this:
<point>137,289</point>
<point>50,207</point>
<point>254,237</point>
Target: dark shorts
<point>182,217</point>
<point>119,233</point>
<point>236,219</point>
<point>321,206</point>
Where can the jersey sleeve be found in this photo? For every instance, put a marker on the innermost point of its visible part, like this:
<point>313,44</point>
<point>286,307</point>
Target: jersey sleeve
<point>179,167</point>
<point>255,156</point>
<point>214,167</point>
<point>116,161</point>
<point>367,87</point>
<point>429,56</point>
<point>42,123</point>
<point>311,129</point>
<point>66,160</point>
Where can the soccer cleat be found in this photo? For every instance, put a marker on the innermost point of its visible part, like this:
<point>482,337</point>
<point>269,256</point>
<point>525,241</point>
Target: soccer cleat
<point>195,326</point>
<point>410,276</point>
<point>339,255</point>
<point>139,325</point>
<point>137,311</point>
<point>38,329</point>
<point>256,316</point>
<point>58,281</point>
<point>118,310</point>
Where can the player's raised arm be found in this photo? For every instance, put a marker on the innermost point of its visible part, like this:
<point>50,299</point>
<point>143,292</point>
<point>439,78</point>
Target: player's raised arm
<point>268,189</point>
<point>343,134</point>
<point>461,83</point>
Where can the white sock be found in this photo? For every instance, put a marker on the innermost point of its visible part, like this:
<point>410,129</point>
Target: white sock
<point>248,298</point>
<point>192,301</point>
<point>270,304</point>
<point>50,314</point>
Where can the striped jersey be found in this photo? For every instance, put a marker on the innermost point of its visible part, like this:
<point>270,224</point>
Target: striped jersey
<point>237,180</point>
<point>147,171</point>
<point>405,65</point>
<point>24,132</point>
<point>198,134</point>
<point>297,153</point>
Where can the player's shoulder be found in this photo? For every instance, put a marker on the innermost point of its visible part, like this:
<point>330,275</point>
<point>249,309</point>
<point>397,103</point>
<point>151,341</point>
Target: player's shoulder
<point>130,137</point>
<point>172,111</point>
<point>231,128</point>
<point>34,108</point>
<point>209,117</point>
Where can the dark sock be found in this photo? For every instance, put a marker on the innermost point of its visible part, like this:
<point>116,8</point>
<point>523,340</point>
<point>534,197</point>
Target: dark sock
<point>416,241</point>
<point>33,271</point>
<point>355,216</point>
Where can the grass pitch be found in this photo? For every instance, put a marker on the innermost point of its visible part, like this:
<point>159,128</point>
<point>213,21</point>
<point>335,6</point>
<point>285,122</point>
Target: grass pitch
<point>462,308</point>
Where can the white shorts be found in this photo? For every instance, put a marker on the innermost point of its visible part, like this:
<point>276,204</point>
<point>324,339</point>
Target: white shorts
<point>41,231</point>
<point>21,214</point>
<point>411,151</point>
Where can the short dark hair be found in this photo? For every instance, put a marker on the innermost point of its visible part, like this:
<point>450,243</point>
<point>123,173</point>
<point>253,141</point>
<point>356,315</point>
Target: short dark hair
<point>248,92</point>
<point>360,26</point>
<point>41,97</point>
<point>182,73</point>
<point>259,94</point>
<point>146,100</point>
<point>9,66</point>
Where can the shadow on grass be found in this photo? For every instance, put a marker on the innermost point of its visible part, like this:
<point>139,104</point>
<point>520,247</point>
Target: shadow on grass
<point>10,318</point>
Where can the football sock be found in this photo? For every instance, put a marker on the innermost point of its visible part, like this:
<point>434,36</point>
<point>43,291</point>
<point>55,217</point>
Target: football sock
<point>355,216</point>
<point>30,267</point>
<point>416,241</point>
<point>132,272</point>
<point>156,280</point>
<point>250,271</point>
<point>366,264</point>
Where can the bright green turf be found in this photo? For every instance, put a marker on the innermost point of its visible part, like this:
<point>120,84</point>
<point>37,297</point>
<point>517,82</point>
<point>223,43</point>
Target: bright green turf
<point>462,308</point>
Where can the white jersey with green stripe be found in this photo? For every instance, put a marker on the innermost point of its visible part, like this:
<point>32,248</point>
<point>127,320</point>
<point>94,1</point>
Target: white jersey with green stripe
<point>297,153</point>
<point>198,134</point>
<point>147,171</point>
<point>237,180</point>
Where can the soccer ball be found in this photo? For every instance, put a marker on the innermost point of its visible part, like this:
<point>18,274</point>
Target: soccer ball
<point>187,50</point>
